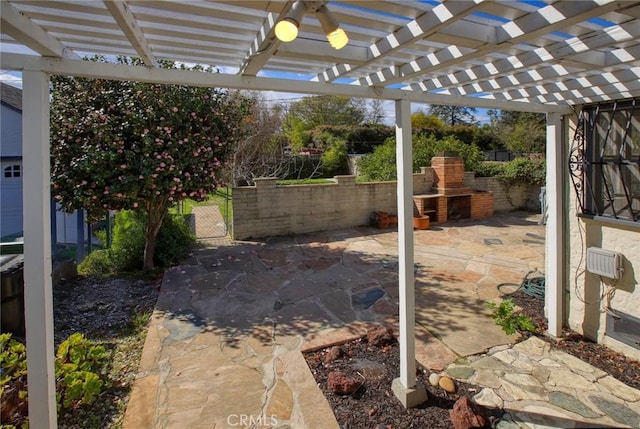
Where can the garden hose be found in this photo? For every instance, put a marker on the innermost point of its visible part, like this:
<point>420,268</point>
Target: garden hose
<point>533,286</point>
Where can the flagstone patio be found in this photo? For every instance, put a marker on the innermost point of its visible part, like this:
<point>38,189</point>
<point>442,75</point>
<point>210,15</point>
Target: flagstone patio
<point>223,348</point>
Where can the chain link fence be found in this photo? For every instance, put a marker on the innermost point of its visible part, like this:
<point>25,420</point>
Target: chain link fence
<point>210,219</point>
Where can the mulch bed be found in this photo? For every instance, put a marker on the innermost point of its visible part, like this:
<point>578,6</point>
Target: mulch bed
<point>613,363</point>
<point>374,404</point>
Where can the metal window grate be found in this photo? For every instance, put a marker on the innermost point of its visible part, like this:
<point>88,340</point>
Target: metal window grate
<point>604,161</point>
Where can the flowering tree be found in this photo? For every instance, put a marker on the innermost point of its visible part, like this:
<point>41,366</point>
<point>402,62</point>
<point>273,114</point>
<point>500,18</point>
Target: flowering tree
<point>127,145</point>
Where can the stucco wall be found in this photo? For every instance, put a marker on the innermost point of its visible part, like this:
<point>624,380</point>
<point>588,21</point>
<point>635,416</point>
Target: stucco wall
<point>590,318</point>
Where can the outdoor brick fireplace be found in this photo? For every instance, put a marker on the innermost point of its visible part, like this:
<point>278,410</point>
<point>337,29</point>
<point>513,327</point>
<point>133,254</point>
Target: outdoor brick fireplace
<point>450,198</point>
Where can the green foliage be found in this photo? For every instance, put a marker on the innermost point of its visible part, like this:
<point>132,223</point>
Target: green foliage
<point>504,316</point>
<point>525,170</point>
<point>174,240</point>
<point>13,382</point>
<point>122,145</point>
<point>489,169</point>
<point>522,132</point>
<point>358,138</point>
<point>127,246</point>
<point>126,253</point>
<point>381,164</point>
<point>335,160</point>
<point>465,133</point>
<point>423,123</point>
<point>79,367</point>
<point>97,264</point>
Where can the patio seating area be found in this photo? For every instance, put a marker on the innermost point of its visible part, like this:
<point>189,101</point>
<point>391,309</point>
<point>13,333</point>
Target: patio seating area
<point>225,340</point>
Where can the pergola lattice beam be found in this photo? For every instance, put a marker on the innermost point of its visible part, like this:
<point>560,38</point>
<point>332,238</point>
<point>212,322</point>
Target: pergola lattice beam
<point>262,48</point>
<point>496,70</point>
<point>17,25</point>
<point>432,21</point>
<point>171,76</point>
<point>129,26</point>
<point>528,27</point>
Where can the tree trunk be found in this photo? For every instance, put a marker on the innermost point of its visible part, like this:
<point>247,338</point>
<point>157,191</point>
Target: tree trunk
<point>155,216</point>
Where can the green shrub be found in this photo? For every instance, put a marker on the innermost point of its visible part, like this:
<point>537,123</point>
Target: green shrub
<point>127,246</point>
<point>489,169</point>
<point>505,317</point>
<point>79,368</point>
<point>381,164</point>
<point>174,240</point>
<point>13,382</point>
<point>127,250</point>
<point>335,160</point>
<point>98,263</point>
<point>525,170</point>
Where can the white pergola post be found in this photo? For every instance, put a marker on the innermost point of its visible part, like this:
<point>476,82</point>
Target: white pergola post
<point>405,387</point>
<point>37,250</point>
<point>554,252</point>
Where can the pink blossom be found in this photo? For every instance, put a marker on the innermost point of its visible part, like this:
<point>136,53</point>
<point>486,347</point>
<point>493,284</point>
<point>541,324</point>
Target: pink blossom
<point>123,166</point>
<point>175,109</point>
<point>135,205</point>
<point>119,195</point>
<point>162,164</point>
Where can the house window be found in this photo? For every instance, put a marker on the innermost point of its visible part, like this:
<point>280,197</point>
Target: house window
<point>605,160</point>
<point>13,171</point>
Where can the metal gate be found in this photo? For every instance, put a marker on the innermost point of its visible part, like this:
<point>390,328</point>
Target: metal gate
<point>211,218</point>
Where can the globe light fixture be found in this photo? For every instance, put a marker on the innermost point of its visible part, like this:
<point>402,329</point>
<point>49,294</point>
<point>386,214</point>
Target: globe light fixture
<point>336,36</point>
<point>287,29</point>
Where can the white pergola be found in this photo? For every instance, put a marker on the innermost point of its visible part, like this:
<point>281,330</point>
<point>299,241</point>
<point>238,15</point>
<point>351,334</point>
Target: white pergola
<point>537,55</point>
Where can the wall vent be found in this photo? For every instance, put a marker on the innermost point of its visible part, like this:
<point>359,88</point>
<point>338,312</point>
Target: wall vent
<point>604,262</point>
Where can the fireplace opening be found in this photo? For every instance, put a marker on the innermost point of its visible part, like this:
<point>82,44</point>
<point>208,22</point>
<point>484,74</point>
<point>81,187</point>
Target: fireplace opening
<point>459,207</point>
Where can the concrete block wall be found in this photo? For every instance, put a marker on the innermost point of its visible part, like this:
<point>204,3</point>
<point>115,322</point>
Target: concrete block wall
<point>268,210</point>
<point>506,198</point>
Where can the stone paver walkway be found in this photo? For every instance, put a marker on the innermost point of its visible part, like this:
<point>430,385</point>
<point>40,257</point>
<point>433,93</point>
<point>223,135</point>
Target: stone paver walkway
<point>542,387</point>
<point>223,348</point>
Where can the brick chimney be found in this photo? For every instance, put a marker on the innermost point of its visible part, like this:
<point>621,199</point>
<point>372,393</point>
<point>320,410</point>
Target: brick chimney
<point>448,175</point>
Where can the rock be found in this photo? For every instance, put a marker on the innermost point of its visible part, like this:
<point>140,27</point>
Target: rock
<point>434,379</point>
<point>341,384</point>
<point>334,353</point>
<point>463,415</point>
<point>447,384</point>
<point>380,336</point>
